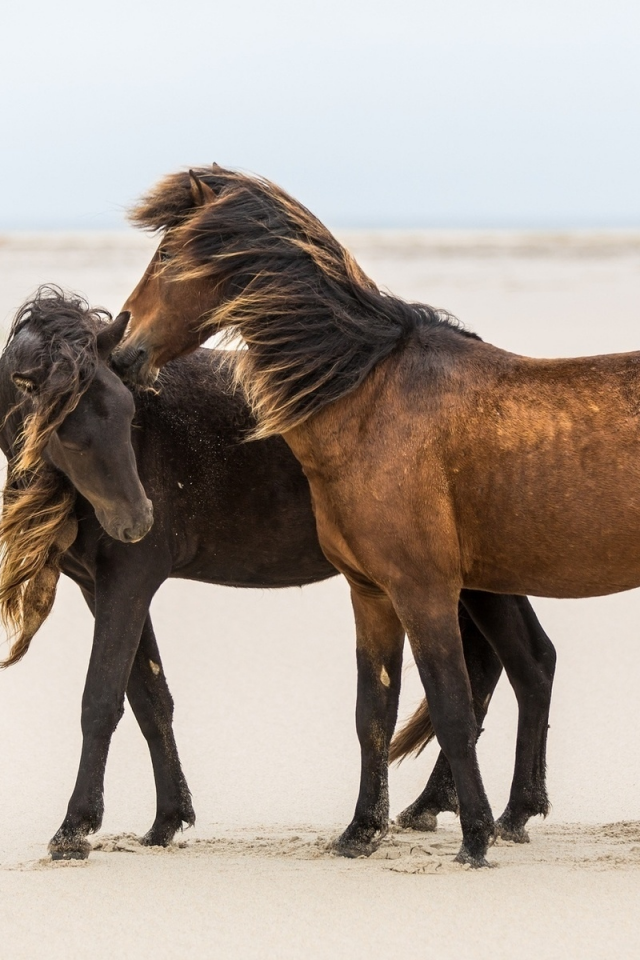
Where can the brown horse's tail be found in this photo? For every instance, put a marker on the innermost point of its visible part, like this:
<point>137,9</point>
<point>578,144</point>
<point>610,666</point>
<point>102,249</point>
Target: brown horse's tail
<point>413,736</point>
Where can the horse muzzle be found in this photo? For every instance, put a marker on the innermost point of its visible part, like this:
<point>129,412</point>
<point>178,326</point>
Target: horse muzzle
<point>132,364</point>
<point>129,529</point>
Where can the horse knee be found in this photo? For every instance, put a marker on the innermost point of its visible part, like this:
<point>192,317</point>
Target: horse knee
<point>158,714</point>
<point>541,649</point>
<point>548,659</point>
<point>457,735</point>
<point>101,716</point>
<point>535,687</point>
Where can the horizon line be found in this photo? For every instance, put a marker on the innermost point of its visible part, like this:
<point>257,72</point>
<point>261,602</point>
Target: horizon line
<point>523,225</point>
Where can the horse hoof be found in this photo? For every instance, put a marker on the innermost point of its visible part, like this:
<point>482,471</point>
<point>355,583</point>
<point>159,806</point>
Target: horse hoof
<point>353,850</point>
<point>164,829</point>
<point>358,842</point>
<point>153,838</point>
<point>69,849</point>
<point>422,822</point>
<point>160,836</point>
<point>511,832</point>
<point>475,862</point>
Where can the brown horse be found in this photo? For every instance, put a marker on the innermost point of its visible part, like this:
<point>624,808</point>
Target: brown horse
<point>436,462</point>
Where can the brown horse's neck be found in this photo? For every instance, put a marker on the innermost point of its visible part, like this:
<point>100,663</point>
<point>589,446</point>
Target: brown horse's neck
<point>296,366</point>
<point>327,439</point>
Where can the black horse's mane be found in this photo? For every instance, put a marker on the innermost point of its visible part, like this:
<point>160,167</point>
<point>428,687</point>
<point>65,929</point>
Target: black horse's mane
<point>37,524</point>
<point>314,322</point>
<point>68,328</point>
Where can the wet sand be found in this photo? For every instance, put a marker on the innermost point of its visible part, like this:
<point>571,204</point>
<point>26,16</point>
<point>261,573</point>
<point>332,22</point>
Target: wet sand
<point>264,685</point>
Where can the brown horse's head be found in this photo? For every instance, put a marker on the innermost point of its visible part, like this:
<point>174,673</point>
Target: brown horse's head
<point>240,255</point>
<point>169,307</point>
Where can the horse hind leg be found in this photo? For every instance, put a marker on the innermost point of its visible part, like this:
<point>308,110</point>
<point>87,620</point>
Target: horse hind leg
<point>152,705</point>
<point>439,795</point>
<point>430,617</point>
<point>529,660</point>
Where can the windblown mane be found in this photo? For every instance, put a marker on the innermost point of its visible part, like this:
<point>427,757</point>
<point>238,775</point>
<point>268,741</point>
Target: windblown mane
<point>315,323</point>
<point>37,524</point>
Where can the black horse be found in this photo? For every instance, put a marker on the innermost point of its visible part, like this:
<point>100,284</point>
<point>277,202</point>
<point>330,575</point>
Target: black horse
<point>225,512</point>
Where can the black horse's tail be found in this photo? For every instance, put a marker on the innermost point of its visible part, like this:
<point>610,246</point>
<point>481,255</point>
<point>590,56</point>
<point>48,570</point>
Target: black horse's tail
<point>413,736</point>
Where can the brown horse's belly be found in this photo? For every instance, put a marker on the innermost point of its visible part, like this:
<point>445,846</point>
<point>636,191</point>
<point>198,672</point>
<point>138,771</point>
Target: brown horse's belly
<point>562,585</point>
<point>556,553</point>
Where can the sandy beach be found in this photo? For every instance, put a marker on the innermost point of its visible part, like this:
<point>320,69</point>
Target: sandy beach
<point>264,684</point>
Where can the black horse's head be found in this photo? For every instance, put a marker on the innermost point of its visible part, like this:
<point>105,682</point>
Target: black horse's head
<point>61,405</point>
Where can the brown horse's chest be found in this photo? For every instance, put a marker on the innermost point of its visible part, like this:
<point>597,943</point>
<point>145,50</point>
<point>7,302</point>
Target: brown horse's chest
<point>378,504</point>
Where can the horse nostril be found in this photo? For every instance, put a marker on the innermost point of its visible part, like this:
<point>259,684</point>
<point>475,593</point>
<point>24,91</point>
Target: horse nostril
<point>129,359</point>
<point>133,534</point>
<point>139,530</point>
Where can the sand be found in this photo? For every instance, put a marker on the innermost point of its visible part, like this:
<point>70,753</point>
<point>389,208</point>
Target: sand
<point>264,685</point>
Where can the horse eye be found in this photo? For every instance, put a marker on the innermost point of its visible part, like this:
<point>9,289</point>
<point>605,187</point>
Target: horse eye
<point>163,255</point>
<point>74,444</point>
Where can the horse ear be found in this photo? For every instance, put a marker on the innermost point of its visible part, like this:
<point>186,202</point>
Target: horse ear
<point>201,192</point>
<point>111,335</point>
<point>25,382</point>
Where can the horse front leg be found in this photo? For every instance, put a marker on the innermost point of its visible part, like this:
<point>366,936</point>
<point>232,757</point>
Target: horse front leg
<point>431,622</point>
<point>121,606</point>
<point>484,669</point>
<point>152,704</point>
<point>379,642</point>
<point>529,660</point>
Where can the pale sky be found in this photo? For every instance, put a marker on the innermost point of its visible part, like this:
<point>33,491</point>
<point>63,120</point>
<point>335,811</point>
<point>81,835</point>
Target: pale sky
<point>398,113</point>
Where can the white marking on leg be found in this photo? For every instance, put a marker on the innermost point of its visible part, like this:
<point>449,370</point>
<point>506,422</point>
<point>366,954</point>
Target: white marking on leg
<point>384,677</point>
<point>155,667</point>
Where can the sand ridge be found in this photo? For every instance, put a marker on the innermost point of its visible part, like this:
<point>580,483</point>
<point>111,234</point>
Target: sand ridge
<point>596,846</point>
<point>606,846</point>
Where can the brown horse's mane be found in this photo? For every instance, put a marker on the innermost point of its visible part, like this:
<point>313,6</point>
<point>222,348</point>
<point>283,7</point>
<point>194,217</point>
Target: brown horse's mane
<point>37,523</point>
<point>315,322</point>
